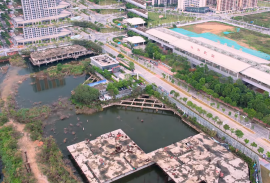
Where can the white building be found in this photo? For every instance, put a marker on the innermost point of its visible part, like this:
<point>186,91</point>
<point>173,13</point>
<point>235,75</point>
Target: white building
<point>181,4</point>
<point>223,59</point>
<point>37,18</point>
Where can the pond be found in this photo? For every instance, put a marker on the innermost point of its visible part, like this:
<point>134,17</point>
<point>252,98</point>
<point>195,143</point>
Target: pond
<point>157,130</point>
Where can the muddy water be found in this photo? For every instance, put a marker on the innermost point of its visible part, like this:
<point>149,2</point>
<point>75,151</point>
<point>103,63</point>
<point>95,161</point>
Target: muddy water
<point>45,90</point>
<point>158,130</point>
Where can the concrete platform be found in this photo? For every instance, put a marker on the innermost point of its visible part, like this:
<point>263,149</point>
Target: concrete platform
<point>198,158</point>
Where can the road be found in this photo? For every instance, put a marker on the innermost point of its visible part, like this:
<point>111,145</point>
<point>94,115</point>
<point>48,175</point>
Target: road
<point>248,134</point>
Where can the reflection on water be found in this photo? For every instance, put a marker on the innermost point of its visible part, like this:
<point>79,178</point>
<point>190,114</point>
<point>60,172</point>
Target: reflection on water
<point>40,84</point>
<point>45,90</point>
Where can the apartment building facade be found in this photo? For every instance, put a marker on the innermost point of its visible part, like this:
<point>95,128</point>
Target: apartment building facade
<point>224,6</point>
<point>181,4</point>
<point>35,14</point>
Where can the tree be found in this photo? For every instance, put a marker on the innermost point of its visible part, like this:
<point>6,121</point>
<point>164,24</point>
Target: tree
<point>223,109</point>
<point>176,94</point>
<point>260,150</point>
<point>253,144</point>
<point>246,141</point>
<point>85,94</point>
<point>172,92</point>
<point>268,154</point>
<point>239,133</point>
<point>235,116</point>
<point>164,75</point>
<point>209,115</point>
<point>220,123</point>
<point>185,99</point>
<point>131,65</point>
<point>232,130</point>
<point>226,127</point>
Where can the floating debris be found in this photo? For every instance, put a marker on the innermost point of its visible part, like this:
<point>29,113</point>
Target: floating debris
<point>90,134</point>
<point>78,118</point>
<point>70,124</point>
<point>82,128</point>
<point>73,133</point>
<point>65,140</point>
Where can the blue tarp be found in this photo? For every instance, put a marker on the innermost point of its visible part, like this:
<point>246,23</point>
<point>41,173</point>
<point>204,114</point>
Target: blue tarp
<point>96,83</point>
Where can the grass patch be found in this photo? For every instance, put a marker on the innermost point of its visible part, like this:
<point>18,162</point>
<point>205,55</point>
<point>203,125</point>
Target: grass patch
<point>17,60</point>
<point>263,4</point>
<point>153,18</point>
<point>13,170</point>
<point>106,11</point>
<point>259,41</point>
<point>108,30</point>
<point>260,19</point>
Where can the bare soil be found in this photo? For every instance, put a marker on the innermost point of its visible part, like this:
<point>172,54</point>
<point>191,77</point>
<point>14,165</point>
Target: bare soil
<point>31,148</point>
<point>212,27</point>
<point>215,28</point>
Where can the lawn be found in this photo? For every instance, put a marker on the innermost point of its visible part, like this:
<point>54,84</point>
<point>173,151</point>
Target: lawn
<point>264,3</point>
<point>153,18</point>
<point>108,30</point>
<point>261,19</point>
<point>105,2</point>
<point>106,11</point>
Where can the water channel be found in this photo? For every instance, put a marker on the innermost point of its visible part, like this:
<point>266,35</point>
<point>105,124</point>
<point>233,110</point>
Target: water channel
<point>158,129</point>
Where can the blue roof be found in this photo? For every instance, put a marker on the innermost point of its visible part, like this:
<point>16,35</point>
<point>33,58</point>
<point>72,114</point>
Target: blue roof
<point>96,83</point>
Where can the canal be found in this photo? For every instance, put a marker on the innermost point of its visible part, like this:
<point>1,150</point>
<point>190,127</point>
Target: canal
<point>157,129</point>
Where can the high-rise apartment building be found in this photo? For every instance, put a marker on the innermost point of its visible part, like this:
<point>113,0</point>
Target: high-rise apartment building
<point>233,5</point>
<point>37,18</point>
<point>181,4</point>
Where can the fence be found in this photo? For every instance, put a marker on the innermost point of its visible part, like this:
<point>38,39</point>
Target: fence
<point>220,133</point>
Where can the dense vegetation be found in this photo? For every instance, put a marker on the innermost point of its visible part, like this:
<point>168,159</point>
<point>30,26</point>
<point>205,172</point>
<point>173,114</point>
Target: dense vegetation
<point>236,94</point>
<point>86,24</point>
<point>14,170</point>
<point>85,94</point>
<point>51,162</point>
<point>89,45</point>
<point>261,19</point>
<point>3,118</point>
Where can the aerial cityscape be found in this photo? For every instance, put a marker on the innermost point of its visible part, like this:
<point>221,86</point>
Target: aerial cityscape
<point>135,91</point>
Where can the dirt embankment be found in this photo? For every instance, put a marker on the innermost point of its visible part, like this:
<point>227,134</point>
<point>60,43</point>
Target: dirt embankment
<point>9,87</point>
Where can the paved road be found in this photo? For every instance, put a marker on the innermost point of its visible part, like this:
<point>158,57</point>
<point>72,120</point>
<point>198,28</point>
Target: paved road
<point>156,78</point>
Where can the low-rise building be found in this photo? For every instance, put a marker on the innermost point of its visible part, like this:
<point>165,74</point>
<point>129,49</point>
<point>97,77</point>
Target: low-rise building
<point>104,62</point>
<point>134,22</point>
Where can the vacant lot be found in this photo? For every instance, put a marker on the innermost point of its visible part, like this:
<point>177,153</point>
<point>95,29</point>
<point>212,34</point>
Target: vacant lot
<point>261,19</point>
<point>153,18</point>
<point>264,3</point>
<point>244,37</point>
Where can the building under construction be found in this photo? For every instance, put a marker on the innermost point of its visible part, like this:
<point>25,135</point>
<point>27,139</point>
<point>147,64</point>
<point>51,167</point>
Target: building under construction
<point>57,54</point>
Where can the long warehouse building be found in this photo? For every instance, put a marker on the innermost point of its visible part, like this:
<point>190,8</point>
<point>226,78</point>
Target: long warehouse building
<point>223,59</point>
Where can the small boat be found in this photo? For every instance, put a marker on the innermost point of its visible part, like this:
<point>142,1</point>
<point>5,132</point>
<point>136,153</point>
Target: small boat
<point>82,128</point>
<point>141,120</point>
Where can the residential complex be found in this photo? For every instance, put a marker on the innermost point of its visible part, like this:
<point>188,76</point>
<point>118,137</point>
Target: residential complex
<point>181,4</point>
<point>233,5</point>
<point>37,19</point>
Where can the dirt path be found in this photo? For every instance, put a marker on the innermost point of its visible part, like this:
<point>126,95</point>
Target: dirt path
<point>12,78</point>
<point>27,145</point>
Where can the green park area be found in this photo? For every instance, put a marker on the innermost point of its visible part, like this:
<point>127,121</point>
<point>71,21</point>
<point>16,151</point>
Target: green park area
<point>104,2</point>
<point>263,3</point>
<point>153,18</point>
<point>106,11</point>
<point>260,19</point>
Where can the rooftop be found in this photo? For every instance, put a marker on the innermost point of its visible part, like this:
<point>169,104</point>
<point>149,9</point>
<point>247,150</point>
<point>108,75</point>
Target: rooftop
<point>115,155</point>
<point>104,60</point>
<point>135,39</point>
<point>258,75</point>
<point>109,156</point>
<point>56,52</point>
<point>134,21</point>
<point>223,60</point>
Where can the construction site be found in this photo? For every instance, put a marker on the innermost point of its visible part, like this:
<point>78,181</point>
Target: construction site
<point>58,54</point>
<point>195,159</point>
